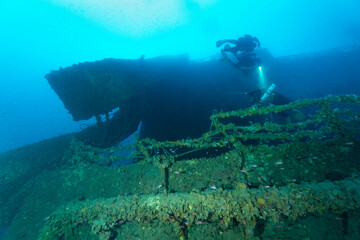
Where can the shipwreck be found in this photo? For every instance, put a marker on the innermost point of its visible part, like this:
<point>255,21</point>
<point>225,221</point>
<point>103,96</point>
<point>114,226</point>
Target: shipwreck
<point>208,164</point>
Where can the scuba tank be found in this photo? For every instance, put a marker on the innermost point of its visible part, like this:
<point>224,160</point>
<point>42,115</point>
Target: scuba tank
<point>268,93</point>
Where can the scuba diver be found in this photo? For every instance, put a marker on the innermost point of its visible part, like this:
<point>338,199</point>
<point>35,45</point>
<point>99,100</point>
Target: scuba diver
<point>242,53</point>
<point>266,97</point>
<point>259,97</point>
<point>243,44</point>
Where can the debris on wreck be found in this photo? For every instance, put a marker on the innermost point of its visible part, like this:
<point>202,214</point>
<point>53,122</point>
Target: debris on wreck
<point>294,180</point>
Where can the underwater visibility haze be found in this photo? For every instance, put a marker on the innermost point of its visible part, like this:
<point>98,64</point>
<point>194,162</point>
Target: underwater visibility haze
<point>181,119</point>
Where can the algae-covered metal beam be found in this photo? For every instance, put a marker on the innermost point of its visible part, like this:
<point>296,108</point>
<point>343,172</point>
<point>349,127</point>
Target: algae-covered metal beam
<point>181,210</point>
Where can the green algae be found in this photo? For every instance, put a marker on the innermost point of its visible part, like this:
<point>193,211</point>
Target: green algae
<point>259,181</point>
<point>106,216</point>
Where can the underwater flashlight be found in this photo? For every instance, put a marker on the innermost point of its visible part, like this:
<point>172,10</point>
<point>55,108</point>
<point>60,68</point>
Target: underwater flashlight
<point>262,77</point>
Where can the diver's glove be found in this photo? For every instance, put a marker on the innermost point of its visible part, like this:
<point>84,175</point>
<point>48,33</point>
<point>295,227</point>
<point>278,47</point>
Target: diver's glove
<point>220,42</point>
